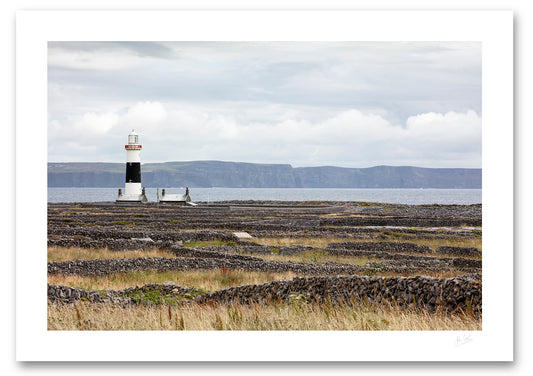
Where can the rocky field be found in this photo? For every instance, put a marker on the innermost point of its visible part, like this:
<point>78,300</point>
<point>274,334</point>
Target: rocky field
<point>310,254</point>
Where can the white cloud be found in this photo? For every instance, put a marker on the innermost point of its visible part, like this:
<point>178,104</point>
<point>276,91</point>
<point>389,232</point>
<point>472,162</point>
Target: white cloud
<point>96,123</point>
<point>350,138</point>
<point>145,115</point>
<point>449,131</point>
<point>432,124</point>
<point>346,104</point>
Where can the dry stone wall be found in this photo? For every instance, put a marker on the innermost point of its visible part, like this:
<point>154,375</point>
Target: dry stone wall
<point>459,251</point>
<point>67,294</point>
<point>365,232</point>
<point>399,221</point>
<point>101,267</point>
<point>116,239</point>
<point>216,257</point>
<point>110,243</point>
<point>224,249</point>
<point>451,294</point>
<point>409,267</point>
<point>262,219</point>
<point>120,228</point>
<point>212,253</point>
<point>391,247</point>
<point>428,260</point>
<point>254,248</point>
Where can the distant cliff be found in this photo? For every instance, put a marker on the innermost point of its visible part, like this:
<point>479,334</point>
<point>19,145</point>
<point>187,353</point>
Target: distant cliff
<point>255,175</point>
<point>388,177</point>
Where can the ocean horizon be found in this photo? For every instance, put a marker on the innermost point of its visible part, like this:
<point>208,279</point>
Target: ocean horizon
<point>409,196</point>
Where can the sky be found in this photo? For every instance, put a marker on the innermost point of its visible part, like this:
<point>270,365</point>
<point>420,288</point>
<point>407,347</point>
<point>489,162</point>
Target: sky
<point>347,104</point>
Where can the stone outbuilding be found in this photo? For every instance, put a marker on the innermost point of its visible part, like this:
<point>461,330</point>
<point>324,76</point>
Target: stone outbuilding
<point>176,199</point>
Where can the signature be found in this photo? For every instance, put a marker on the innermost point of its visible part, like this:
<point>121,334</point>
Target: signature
<point>464,339</point>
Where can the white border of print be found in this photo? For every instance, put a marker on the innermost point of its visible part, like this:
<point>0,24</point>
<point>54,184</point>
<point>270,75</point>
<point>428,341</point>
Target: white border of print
<point>35,29</point>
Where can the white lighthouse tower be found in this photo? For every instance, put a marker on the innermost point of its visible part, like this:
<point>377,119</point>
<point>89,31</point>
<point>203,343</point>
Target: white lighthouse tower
<point>133,191</point>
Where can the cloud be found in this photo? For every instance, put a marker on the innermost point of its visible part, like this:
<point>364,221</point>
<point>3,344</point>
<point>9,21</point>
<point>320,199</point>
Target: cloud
<point>145,114</point>
<point>350,138</point>
<point>448,132</point>
<point>96,123</point>
<point>89,60</point>
<point>353,104</point>
<point>108,56</point>
<point>401,79</point>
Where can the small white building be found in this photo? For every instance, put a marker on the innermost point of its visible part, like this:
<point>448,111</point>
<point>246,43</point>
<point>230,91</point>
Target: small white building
<point>176,199</point>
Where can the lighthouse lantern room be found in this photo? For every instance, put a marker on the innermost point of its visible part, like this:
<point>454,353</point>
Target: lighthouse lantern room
<point>133,191</point>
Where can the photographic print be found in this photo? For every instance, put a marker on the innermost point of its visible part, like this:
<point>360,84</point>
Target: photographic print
<point>266,186</point>
<point>316,186</point>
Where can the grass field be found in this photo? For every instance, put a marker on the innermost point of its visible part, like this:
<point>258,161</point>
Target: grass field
<point>209,280</point>
<point>74,253</point>
<point>273,225</point>
<point>295,315</point>
<point>322,242</point>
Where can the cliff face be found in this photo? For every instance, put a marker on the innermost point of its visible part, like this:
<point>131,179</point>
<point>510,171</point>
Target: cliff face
<point>388,177</point>
<point>218,174</point>
<point>253,175</point>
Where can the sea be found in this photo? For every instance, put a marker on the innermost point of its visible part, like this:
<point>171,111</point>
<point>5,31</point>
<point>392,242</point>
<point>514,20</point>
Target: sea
<point>213,195</point>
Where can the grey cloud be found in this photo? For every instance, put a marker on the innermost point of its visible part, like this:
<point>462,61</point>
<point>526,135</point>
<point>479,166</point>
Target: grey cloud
<point>249,84</point>
<point>143,49</point>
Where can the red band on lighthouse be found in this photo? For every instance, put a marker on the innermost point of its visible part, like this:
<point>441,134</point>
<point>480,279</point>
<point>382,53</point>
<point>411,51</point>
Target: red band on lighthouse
<point>133,147</point>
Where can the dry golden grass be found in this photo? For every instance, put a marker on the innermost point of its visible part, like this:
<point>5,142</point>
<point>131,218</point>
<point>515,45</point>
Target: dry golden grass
<point>317,255</point>
<point>455,242</point>
<point>274,316</point>
<point>209,280</point>
<point>321,256</point>
<point>73,253</point>
<point>324,241</point>
<point>345,215</point>
<point>314,242</point>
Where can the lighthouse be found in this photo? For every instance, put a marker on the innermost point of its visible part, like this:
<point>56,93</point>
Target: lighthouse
<point>133,191</point>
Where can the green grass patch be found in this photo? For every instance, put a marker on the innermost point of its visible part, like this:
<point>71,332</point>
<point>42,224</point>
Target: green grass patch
<point>131,223</point>
<point>316,255</point>
<point>155,296</point>
<point>175,222</point>
<point>210,243</point>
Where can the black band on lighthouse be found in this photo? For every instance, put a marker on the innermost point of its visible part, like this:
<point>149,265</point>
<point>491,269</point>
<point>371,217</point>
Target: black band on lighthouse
<point>133,172</point>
